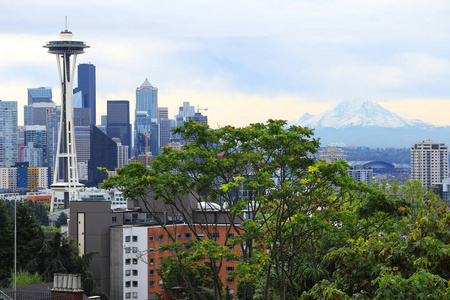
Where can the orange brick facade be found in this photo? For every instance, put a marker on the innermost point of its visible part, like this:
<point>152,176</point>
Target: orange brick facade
<point>157,237</point>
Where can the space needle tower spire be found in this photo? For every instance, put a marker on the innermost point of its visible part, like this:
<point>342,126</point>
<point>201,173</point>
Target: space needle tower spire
<point>66,50</point>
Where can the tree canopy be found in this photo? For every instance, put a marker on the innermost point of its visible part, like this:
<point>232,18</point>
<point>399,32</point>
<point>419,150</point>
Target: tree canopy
<point>287,209</point>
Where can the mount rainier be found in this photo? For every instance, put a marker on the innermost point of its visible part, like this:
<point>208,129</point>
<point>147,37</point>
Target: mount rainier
<point>369,124</point>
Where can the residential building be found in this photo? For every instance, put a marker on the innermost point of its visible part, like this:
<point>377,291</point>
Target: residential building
<point>360,173</point>
<point>25,178</point>
<point>122,153</point>
<point>331,153</point>
<point>34,156</point>
<point>37,135</point>
<point>429,162</point>
<point>8,133</point>
<point>129,241</point>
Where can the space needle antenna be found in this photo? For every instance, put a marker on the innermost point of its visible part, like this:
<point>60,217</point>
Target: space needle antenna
<point>66,23</point>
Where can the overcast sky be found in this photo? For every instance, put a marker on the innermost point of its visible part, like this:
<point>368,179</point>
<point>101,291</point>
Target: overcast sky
<point>246,61</point>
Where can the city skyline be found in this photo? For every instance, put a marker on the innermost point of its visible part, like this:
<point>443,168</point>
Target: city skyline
<point>245,62</point>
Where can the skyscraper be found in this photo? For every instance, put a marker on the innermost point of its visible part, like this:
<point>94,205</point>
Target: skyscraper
<point>37,136</point>
<point>103,155</point>
<point>66,157</point>
<point>40,104</point>
<point>87,86</point>
<point>37,95</point>
<point>8,133</point>
<point>146,124</point>
<point>118,121</point>
<point>429,162</point>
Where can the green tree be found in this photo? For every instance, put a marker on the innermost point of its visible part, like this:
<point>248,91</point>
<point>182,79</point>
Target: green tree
<point>7,242</point>
<point>25,278</point>
<point>273,194</point>
<point>62,220</point>
<point>386,265</point>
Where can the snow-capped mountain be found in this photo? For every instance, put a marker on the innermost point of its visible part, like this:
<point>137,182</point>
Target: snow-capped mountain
<point>360,114</point>
<point>369,124</point>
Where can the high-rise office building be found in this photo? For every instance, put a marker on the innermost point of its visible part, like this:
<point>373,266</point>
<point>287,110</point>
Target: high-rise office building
<point>8,133</point>
<point>118,121</point>
<point>37,95</point>
<point>37,136</point>
<point>146,124</point>
<point>186,113</point>
<point>429,162</point>
<point>103,155</point>
<point>87,87</point>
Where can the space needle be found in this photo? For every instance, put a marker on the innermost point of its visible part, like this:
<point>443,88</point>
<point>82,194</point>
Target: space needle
<point>66,51</point>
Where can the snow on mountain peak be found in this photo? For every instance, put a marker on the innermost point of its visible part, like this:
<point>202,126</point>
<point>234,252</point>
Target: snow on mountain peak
<point>357,114</point>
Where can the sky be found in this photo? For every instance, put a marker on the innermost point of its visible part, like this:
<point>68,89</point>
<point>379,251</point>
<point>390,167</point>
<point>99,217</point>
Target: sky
<point>245,61</point>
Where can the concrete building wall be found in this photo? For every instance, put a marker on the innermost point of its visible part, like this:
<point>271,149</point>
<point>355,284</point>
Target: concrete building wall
<point>97,222</point>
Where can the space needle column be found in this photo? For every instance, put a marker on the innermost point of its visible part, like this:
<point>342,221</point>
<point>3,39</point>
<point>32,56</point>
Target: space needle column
<point>66,51</point>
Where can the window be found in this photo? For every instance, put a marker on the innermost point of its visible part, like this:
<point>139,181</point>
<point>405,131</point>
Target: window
<point>152,296</point>
<point>229,269</point>
<point>135,261</point>
<point>161,260</point>
<point>179,236</point>
<point>231,247</point>
<point>135,272</point>
<point>114,220</point>
<point>127,249</point>
<point>127,261</point>
<point>135,238</point>
<point>135,294</point>
<point>215,236</point>
<point>151,239</point>
<point>127,238</point>
<point>230,235</point>
<point>135,283</point>
<point>161,237</point>
<point>134,249</point>
<point>127,295</point>
<point>201,236</point>
<point>151,272</point>
<point>127,272</point>
<point>151,261</point>
<point>151,250</point>
<point>187,236</point>
<point>170,237</point>
<point>127,283</point>
<point>151,283</point>
<point>161,282</point>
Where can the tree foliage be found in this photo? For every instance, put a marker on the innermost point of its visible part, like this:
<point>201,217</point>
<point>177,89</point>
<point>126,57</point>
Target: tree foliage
<point>411,262</point>
<point>41,252</point>
<point>287,209</point>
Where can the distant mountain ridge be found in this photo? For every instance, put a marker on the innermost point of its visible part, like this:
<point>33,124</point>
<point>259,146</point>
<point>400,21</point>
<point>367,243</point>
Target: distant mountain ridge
<point>354,113</point>
<point>369,124</point>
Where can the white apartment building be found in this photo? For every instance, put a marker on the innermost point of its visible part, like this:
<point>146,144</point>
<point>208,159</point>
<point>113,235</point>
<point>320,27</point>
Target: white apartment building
<point>331,153</point>
<point>429,162</point>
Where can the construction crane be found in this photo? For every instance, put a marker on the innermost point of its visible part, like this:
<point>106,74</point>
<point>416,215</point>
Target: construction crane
<point>199,109</point>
